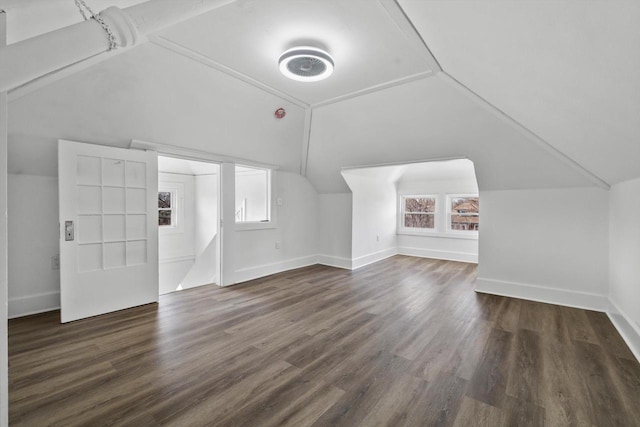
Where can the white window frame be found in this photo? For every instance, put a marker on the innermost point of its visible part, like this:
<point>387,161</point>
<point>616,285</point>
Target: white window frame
<point>272,221</point>
<point>177,193</point>
<point>470,233</point>
<point>414,230</point>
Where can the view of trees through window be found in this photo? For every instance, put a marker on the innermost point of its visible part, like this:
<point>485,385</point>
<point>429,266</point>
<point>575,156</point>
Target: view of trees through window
<point>465,213</point>
<point>164,208</point>
<point>419,212</point>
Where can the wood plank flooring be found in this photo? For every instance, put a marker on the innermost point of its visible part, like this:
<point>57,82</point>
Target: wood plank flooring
<point>402,342</point>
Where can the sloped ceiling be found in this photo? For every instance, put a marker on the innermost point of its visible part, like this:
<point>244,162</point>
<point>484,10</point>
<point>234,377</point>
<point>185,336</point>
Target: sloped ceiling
<point>151,94</point>
<point>567,70</point>
<point>427,120</point>
<point>564,70</point>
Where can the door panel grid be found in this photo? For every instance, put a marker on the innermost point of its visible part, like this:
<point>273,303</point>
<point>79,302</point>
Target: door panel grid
<point>112,218</point>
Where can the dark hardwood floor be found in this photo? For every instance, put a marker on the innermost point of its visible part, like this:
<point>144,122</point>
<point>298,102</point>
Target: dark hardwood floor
<point>403,342</point>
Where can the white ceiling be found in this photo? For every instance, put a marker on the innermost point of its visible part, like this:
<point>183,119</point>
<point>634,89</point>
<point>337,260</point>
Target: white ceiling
<point>150,94</point>
<point>568,70</point>
<point>565,70</point>
<point>444,170</point>
<point>368,46</point>
<point>458,169</point>
<point>186,167</point>
<point>428,120</point>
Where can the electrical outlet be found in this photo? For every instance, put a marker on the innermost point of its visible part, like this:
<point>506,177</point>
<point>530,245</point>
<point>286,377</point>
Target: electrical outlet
<point>377,238</point>
<point>277,245</point>
<point>279,201</point>
<point>55,262</point>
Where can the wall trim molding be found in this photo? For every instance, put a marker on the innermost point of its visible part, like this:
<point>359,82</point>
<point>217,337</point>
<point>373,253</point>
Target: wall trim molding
<point>373,257</point>
<point>334,261</point>
<point>437,254</point>
<point>250,273</point>
<point>33,304</point>
<point>179,258</point>
<point>545,294</point>
<point>628,330</point>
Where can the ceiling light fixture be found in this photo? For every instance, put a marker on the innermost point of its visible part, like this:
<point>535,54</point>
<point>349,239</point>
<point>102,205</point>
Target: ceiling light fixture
<point>306,64</point>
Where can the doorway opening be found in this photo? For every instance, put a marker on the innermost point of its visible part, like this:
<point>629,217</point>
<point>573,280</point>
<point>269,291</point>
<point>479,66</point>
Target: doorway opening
<point>188,223</point>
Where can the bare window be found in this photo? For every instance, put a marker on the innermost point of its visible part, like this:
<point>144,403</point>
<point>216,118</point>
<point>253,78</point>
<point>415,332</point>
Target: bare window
<point>253,194</point>
<point>419,212</point>
<point>464,213</point>
<point>166,209</point>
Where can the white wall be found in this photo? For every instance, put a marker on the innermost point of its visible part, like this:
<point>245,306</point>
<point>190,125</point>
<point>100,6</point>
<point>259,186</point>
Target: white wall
<point>179,242</point>
<point>206,210</point>
<point>440,245</point>
<point>4,381</point>
<point>176,247</point>
<point>34,285</point>
<point>624,268</point>
<point>205,268</point>
<point>373,215</point>
<point>547,245</point>
<point>295,233</point>
<point>335,229</point>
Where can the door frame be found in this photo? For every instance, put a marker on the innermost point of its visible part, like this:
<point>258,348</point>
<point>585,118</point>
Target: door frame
<point>219,257</point>
<point>226,207</point>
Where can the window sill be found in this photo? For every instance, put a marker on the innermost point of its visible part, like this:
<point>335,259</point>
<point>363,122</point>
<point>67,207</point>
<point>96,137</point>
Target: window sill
<point>438,234</point>
<point>248,226</point>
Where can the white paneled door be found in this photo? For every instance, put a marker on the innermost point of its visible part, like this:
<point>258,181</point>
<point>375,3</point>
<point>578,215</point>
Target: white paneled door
<point>108,229</point>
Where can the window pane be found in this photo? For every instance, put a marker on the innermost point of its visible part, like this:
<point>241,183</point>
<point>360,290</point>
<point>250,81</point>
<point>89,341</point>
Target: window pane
<point>465,222</point>
<point>420,204</point>
<point>464,213</point>
<point>465,205</point>
<point>164,217</point>
<point>419,221</point>
<point>164,200</point>
<point>252,194</point>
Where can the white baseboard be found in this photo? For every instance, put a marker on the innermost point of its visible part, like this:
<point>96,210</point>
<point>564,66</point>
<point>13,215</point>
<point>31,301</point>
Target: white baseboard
<point>334,261</point>
<point>437,254</point>
<point>374,257</point>
<point>629,331</point>
<point>251,273</point>
<point>585,300</point>
<point>33,304</point>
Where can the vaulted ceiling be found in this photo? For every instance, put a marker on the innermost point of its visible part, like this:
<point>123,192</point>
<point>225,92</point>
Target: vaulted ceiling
<point>537,94</point>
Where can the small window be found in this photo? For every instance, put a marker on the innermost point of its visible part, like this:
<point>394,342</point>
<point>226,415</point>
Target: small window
<point>253,194</point>
<point>419,212</point>
<point>166,209</point>
<point>464,213</point>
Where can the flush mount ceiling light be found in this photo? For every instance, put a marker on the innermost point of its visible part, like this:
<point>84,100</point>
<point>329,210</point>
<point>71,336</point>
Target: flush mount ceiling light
<point>306,64</point>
